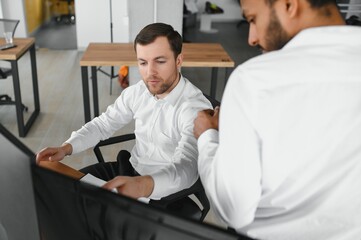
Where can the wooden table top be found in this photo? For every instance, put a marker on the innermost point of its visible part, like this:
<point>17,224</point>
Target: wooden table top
<point>118,54</point>
<point>62,168</point>
<point>23,45</point>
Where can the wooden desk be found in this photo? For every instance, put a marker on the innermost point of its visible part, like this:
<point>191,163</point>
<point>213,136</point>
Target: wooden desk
<point>13,55</point>
<point>117,54</point>
<point>62,168</point>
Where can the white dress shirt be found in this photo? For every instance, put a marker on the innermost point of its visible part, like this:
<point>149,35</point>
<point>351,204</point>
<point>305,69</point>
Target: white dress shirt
<point>165,147</point>
<point>287,164</point>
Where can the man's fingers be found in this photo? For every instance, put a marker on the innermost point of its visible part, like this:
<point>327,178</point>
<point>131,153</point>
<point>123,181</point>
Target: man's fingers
<point>57,156</point>
<point>51,154</point>
<point>45,154</point>
<point>208,111</point>
<point>216,112</point>
<point>114,183</point>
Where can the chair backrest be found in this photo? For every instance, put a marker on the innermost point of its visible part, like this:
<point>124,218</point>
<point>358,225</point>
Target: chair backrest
<point>8,25</point>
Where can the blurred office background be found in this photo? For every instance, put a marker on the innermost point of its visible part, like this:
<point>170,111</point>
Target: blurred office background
<point>63,29</point>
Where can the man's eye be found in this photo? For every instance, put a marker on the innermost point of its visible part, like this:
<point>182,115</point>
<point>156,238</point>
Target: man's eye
<point>160,62</point>
<point>142,63</point>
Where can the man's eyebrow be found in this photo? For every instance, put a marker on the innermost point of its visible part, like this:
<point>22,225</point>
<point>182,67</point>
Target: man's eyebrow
<point>156,58</point>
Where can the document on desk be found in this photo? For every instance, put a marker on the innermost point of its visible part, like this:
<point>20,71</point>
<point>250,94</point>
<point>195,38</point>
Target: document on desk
<point>88,178</point>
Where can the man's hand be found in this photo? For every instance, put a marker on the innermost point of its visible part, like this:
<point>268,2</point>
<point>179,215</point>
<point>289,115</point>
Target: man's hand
<point>134,187</point>
<point>205,120</point>
<point>54,153</point>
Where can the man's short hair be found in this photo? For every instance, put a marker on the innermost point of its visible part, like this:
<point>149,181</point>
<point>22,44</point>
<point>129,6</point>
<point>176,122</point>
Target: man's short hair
<point>313,3</point>
<point>152,31</point>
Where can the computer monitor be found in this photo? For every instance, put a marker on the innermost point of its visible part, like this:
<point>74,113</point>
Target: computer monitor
<point>36,201</point>
<point>18,218</point>
<point>71,209</point>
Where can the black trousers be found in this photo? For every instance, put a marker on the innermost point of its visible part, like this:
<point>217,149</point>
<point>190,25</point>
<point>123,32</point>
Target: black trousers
<point>109,170</point>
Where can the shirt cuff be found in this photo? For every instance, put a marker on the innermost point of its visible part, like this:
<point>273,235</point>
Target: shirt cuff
<point>211,135</point>
<point>161,182</point>
<point>74,143</point>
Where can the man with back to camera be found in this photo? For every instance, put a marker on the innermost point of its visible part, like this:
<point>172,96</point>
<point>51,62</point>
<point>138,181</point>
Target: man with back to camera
<point>163,106</point>
<point>286,163</point>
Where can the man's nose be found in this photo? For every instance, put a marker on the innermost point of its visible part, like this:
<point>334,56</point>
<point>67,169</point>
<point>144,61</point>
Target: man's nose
<point>252,37</point>
<point>151,69</point>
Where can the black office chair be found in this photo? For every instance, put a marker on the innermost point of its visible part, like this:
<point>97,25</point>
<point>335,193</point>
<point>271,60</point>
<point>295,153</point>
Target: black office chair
<point>178,203</point>
<point>7,25</point>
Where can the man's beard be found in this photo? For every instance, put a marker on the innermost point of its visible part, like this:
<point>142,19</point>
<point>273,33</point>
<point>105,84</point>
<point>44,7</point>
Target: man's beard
<point>162,89</point>
<point>276,36</point>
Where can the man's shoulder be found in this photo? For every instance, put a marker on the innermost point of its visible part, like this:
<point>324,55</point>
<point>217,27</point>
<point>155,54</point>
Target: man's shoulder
<point>191,91</point>
<point>190,88</point>
<point>193,97</point>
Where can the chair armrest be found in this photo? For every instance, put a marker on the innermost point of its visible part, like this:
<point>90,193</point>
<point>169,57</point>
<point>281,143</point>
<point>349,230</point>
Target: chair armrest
<point>110,141</point>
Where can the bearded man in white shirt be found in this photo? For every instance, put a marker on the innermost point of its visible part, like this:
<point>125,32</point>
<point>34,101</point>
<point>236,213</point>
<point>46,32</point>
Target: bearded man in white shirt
<point>286,163</point>
<point>164,106</point>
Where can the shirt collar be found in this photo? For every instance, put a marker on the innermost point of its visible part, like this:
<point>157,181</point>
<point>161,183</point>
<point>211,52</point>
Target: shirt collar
<point>176,93</point>
<point>325,35</point>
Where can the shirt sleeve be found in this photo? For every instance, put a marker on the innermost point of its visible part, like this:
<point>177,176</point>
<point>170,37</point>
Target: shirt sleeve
<point>230,167</point>
<point>182,173</point>
<point>100,128</point>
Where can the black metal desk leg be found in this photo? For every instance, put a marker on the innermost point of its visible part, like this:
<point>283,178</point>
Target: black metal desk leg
<point>95,91</point>
<point>34,73</point>
<point>214,82</point>
<point>18,102</point>
<point>86,100</point>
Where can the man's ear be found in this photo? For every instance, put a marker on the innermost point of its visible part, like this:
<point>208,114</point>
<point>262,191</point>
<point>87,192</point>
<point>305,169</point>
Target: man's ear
<point>291,8</point>
<point>289,13</point>
<point>179,60</point>
<point>288,9</point>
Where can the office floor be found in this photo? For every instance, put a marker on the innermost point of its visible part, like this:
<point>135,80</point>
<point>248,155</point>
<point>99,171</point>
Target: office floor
<point>56,36</point>
<point>61,91</point>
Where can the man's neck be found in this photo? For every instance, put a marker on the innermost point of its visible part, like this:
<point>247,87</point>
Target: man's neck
<point>326,16</point>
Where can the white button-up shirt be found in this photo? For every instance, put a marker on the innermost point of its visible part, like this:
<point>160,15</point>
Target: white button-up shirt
<point>288,161</point>
<point>165,147</point>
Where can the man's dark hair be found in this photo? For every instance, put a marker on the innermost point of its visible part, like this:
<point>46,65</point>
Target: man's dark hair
<point>152,31</point>
<point>313,3</point>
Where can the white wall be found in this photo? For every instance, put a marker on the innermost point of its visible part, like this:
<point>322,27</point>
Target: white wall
<point>93,21</point>
<point>15,9</point>
<point>144,12</point>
